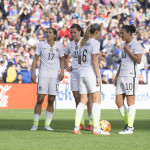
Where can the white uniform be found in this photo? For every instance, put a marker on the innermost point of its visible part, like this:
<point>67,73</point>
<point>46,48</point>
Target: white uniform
<point>48,75</point>
<point>73,49</point>
<point>87,72</point>
<point>129,74</point>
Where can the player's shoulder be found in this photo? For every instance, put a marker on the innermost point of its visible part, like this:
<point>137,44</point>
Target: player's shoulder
<point>58,43</point>
<point>136,43</point>
<point>41,43</point>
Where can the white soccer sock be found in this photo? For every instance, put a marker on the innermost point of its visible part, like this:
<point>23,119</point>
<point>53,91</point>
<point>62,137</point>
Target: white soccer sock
<point>82,120</point>
<point>96,114</point>
<point>36,119</point>
<point>131,115</point>
<point>48,118</point>
<point>79,114</point>
<point>124,112</point>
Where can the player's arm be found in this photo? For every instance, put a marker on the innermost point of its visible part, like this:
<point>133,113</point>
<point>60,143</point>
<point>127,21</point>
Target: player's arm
<point>61,75</point>
<point>79,59</point>
<point>117,74</point>
<point>135,57</point>
<point>96,68</point>
<point>66,63</point>
<point>33,76</point>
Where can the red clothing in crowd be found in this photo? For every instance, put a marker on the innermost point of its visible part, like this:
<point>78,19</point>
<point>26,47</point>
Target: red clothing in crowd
<point>64,33</point>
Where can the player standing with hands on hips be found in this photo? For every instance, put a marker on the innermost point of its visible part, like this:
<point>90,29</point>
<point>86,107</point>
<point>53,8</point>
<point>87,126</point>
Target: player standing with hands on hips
<point>73,49</point>
<point>127,77</point>
<point>90,80</point>
<point>50,52</point>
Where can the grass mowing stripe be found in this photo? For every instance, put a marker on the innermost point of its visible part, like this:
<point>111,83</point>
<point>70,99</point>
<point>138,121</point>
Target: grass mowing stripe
<point>15,133</point>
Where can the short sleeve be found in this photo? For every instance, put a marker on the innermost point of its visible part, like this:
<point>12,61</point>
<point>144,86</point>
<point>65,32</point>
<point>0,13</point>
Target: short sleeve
<point>96,47</point>
<point>138,48</point>
<point>38,49</point>
<point>61,52</point>
<point>67,50</point>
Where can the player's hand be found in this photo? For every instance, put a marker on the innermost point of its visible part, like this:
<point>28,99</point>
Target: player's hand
<point>61,76</point>
<point>33,78</point>
<point>98,81</point>
<point>126,47</point>
<point>69,68</point>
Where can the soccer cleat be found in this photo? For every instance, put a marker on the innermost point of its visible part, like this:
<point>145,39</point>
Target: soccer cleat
<point>48,128</point>
<point>90,128</point>
<point>97,132</point>
<point>76,131</point>
<point>127,130</point>
<point>82,127</point>
<point>34,128</point>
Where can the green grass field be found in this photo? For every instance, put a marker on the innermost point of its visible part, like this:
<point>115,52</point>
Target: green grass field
<point>15,133</point>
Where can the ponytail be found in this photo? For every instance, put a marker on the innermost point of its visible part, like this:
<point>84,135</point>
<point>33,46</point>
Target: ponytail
<point>86,36</point>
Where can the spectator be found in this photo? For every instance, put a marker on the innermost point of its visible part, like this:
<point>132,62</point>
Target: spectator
<point>19,79</point>
<point>10,74</point>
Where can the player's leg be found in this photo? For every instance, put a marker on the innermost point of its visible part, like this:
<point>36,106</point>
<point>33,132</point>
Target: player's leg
<point>42,90</point>
<point>130,86</point>
<point>89,109</point>
<point>96,114</point>
<point>79,112</point>
<point>37,111</point>
<point>53,88</point>
<point>121,107</point>
<point>77,100</point>
<point>49,112</point>
<point>81,105</point>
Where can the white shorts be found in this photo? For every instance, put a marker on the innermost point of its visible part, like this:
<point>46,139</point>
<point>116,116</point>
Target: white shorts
<point>74,80</point>
<point>88,85</point>
<point>48,86</point>
<point>127,85</point>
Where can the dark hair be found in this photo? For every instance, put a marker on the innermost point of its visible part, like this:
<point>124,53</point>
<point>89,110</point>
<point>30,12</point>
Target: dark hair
<point>129,28</point>
<point>90,30</point>
<point>54,31</point>
<point>78,28</point>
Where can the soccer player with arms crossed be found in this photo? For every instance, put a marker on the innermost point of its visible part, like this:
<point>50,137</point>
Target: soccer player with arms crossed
<point>49,52</point>
<point>90,79</point>
<point>127,77</point>
<point>73,48</point>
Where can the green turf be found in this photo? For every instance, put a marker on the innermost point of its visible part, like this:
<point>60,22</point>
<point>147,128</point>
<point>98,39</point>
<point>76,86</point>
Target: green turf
<point>15,133</point>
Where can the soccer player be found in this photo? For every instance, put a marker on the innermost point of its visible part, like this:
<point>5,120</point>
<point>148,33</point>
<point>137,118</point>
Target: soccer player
<point>73,48</point>
<point>90,80</point>
<point>127,77</point>
<point>50,52</point>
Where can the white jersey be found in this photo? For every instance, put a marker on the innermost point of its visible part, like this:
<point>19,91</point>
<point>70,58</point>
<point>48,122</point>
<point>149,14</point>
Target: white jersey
<point>128,66</point>
<point>49,58</point>
<point>91,47</point>
<point>73,49</point>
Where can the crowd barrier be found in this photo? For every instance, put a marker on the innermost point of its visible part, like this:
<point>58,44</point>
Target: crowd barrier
<point>23,96</point>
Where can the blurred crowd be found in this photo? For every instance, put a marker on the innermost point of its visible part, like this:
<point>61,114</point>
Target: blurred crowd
<point>23,24</point>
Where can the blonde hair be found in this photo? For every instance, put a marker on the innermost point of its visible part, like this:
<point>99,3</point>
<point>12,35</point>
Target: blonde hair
<point>90,30</point>
<point>86,36</point>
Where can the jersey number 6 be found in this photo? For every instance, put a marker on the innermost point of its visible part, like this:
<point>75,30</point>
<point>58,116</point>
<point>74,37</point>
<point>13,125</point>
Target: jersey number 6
<point>84,55</point>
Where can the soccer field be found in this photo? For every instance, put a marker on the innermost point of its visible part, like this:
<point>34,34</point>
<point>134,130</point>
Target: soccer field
<point>15,132</point>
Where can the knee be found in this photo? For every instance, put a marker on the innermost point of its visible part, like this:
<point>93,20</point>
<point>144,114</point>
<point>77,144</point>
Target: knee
<point>40,101</point>
<point>51,101</point>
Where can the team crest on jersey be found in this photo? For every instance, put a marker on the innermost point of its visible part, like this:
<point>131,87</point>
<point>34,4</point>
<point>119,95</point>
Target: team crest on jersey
<point>40,88</point>
<point>76,47</point>
<point>87,44</point>
<point>51,49</point>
